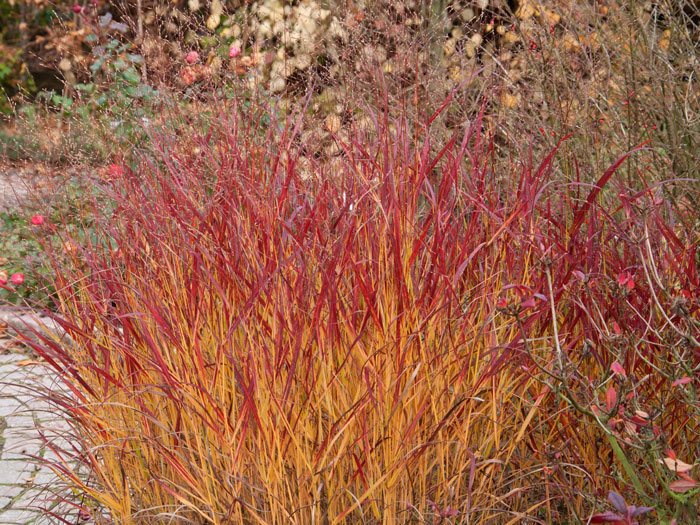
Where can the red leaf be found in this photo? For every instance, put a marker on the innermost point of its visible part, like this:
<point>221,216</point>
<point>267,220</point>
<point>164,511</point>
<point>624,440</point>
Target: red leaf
<point>607,517</point>
<point>682,381</point>
<point>610,398</point>
<point>579,275</point>
<point>618,369</point>
<point>639,421</point>
<point>625,279</point>
<point>581,212</point>
<point>528,303</point>
<point>686,476</point>
<point>616,328</point>
<point>682,485</point>
<point>502,303</point>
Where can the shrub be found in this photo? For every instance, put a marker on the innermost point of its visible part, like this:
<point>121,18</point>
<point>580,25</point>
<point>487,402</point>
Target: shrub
<point>398,335</point>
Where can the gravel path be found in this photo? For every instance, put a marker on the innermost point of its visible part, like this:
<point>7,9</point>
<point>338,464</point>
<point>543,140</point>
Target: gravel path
<point>20,185</point>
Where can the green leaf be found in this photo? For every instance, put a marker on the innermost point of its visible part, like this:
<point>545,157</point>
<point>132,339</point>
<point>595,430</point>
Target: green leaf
<point>87,88</point>
<point>96,65</point>
<point>132,76</point>
<point>119,64</point>
<point>59,100</point>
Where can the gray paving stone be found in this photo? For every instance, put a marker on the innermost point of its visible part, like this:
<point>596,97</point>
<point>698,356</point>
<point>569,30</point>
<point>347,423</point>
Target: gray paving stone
<point>20,476</point>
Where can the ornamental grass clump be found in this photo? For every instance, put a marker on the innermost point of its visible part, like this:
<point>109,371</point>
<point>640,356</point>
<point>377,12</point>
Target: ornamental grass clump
<point>395,336</point>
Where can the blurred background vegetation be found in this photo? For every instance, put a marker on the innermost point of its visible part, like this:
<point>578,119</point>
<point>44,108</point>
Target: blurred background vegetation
<point>80,81</point>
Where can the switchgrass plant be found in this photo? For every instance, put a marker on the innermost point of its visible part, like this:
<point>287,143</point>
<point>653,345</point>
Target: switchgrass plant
<point>401,336</point>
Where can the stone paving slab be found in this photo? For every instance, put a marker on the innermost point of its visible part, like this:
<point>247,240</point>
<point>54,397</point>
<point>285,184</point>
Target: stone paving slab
<point>20,476</point>
<point>18,323</point>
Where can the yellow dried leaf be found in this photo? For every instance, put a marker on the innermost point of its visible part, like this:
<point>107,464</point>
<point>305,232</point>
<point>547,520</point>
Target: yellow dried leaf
<point>449,46</point>
<point>333,123</point>
<point>550,17</point>
<point>511,38</point>
<point>525,11</point>
<point>456,74</point>
<point>570,42</point>
<point>508,100</point>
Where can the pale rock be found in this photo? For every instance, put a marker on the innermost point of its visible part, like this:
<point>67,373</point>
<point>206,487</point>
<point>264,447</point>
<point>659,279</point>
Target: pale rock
<point>525,10</point>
